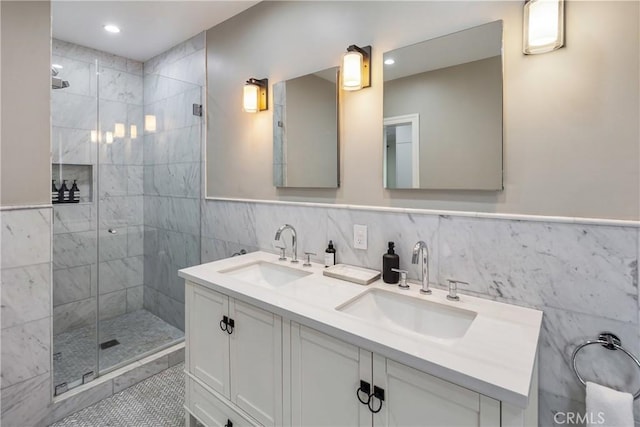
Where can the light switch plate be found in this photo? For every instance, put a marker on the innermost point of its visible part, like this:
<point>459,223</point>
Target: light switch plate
<point>360,236</point>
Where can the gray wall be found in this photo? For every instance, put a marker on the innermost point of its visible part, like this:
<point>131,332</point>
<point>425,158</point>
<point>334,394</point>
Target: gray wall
<point>173,82</point>
<point>460,110</point>
<point>25,252</point>
<point>571,116</point>
<point>26,80</point>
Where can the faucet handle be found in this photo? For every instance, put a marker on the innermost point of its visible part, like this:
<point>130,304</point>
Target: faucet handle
<point>453,289</point>
<point>403,278</point>
<point>307,263</point>
<point>283,253</point>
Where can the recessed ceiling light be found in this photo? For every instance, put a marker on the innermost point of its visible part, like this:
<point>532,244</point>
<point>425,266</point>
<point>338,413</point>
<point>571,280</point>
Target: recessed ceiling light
<point>58,66</point>
<point>111,28</point>
<point>389,61</point>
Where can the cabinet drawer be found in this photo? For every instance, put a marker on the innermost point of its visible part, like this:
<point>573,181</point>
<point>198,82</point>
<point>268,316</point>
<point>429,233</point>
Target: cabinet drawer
<point>210,410</point>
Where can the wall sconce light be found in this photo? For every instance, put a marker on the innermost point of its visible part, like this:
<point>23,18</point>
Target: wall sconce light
<point>255,95</point>
<point>118,130</point>
<point>356,68</point>
<point>134,131</point>
<point>150,123</point>
<point>543,27</point>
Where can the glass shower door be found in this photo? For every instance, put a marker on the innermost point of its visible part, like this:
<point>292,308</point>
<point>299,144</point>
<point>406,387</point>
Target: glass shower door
<point>74,118</point>
<point>149,212</point>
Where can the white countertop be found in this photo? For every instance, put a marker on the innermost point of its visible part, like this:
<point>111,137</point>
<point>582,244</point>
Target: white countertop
<point>495,357</point>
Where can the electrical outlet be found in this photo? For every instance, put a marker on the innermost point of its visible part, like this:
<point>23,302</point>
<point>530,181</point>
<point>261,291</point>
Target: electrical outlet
<point>360,236</point>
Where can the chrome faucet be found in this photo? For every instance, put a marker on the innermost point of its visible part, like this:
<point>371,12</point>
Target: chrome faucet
<point>420,250</point>
<point>294,240</point>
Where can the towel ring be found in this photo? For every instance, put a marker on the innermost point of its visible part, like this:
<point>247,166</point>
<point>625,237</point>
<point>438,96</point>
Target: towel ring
<point>609,341</point>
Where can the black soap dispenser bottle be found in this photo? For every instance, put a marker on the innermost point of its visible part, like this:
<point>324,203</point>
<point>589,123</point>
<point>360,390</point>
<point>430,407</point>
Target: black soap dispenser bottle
<point>54,192</point>
<point>74,193</point>
<point>390,260</point>
<point>63,192</point>
<point>330,255</point>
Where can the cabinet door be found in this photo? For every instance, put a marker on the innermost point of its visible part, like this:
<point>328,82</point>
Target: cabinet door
<point>208,344</point>
<point>325,375</point>
<point>413,398</point>
<point>256,362</point>
<point>211,411</point>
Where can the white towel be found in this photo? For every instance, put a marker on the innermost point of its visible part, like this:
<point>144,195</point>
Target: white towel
<point>607,407</point>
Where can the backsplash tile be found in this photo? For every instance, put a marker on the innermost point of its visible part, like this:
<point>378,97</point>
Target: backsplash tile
<point>567,266</point>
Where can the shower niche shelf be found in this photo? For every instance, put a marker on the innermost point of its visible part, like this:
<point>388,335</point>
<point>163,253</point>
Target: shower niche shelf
<point>82,174</point>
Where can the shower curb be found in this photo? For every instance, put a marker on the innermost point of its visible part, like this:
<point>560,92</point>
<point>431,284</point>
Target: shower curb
<point>114,382</point>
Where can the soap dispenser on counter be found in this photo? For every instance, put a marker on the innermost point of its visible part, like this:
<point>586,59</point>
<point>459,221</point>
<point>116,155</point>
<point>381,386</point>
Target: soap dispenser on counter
<point>330,255</point>
<point>390,261</point>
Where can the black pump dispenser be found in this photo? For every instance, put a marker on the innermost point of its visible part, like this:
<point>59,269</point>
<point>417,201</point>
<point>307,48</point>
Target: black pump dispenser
<point>390,260</point>
<point>54,192</point>
<point>63,192</point>
<point>330,255</point>
<point>74,193</point>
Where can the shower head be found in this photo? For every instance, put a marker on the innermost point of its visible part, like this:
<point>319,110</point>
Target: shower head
<point>58,83</point>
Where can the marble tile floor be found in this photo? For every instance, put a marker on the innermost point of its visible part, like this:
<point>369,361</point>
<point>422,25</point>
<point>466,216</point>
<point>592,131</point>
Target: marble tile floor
<point>137,332</point>
<point>155,402</point>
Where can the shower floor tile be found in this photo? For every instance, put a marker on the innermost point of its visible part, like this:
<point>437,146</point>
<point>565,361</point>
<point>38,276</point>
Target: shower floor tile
<point>137,333</point>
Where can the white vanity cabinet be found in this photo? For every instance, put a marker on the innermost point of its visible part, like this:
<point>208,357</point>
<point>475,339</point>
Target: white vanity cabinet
<point>326,373</point>
<point>238,361</point>
<point>248,366</point>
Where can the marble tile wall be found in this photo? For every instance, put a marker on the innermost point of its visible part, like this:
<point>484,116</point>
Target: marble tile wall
<point>117,183</point>
<point>173,81</point>
<point>584,277</point>
<point>25,272</point>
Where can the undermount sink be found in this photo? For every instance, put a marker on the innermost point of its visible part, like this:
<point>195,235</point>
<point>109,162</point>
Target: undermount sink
<point>265,274</point>
<point>404,313</point>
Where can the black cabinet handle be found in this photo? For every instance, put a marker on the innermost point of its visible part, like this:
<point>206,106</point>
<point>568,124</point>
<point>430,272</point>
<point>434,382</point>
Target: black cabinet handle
<point>230,326</point>
<point>365,388</point>
<point>379,393</point>
<point>229,423</point>
<point>223,323</point>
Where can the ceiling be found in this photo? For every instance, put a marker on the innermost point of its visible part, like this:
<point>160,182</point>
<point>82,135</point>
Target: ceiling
<point>148,27</point>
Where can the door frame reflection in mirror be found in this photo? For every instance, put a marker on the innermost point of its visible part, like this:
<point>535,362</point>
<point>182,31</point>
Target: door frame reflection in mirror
<point>456,83</point>
<point>414,121</point>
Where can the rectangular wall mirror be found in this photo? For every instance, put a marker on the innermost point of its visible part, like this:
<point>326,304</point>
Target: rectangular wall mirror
<point>443,112</point>
<point>305,131</point>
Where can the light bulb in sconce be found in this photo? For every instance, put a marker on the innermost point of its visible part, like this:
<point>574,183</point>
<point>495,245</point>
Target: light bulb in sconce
<point>94,136</point>
<point>108,137</point>
<point>150,123</point>
<point>543,26</point>
<point>356,68</point>
<point>255,96</point>
<point>119,130</point>
<point>133,131</point>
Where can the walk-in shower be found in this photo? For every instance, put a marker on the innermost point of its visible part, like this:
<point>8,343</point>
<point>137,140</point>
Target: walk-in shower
<point>120,238</point>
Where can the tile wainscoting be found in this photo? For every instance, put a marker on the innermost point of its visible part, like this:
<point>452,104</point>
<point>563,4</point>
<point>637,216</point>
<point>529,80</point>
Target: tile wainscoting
<point>25,261</point>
